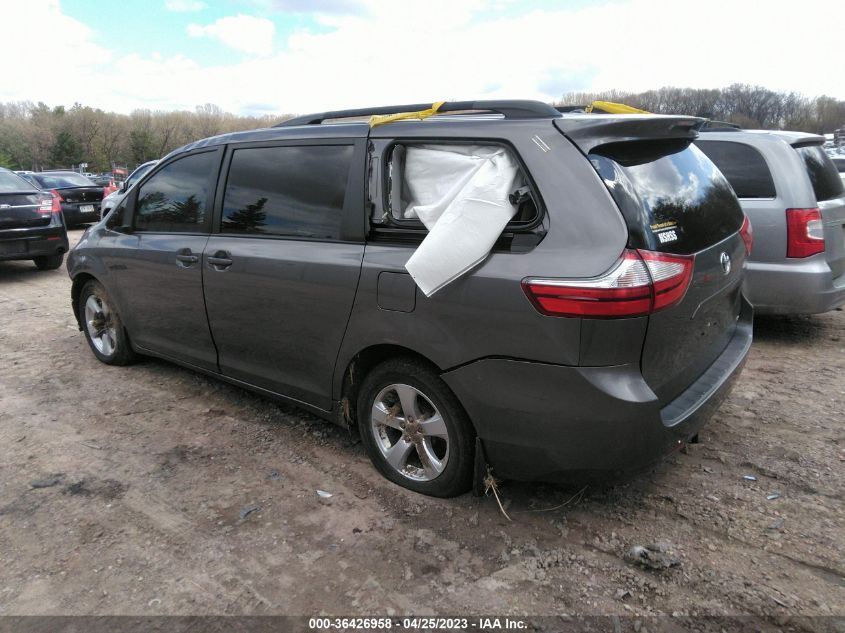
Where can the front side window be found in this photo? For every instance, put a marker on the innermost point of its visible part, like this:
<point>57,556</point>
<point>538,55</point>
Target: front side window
<point>293,191</point>
<point>117,216</point>
<point>175,198</point>
<point>743,166</point>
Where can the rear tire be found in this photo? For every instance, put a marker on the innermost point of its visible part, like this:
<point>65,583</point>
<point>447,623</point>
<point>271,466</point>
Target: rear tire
<point>102,326</point>
<point>49,262</point>
<point>415,430</point>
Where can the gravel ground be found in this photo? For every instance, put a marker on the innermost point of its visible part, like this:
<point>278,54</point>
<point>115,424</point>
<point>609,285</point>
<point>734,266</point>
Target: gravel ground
<point>153,490</point>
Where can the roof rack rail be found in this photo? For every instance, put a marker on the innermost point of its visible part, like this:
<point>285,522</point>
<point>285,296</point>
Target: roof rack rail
<point>510,109</point>
<point>712,126</point>
<point>570,108</point>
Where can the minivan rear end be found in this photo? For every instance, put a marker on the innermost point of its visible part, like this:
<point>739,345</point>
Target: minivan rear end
<point>664,331</point>
<point>792,194</point>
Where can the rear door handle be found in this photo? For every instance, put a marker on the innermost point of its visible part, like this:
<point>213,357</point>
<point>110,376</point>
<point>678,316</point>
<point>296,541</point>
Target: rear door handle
<point>219,261</point>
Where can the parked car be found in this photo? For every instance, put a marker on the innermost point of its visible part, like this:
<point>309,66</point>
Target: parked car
<point>114,197</point>
<point>31,225</point>
<point>600,333</point>
<point>79,196</point>
<point>791,192</point>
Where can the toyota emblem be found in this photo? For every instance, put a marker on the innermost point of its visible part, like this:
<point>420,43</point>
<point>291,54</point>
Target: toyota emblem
<point>725,260</point>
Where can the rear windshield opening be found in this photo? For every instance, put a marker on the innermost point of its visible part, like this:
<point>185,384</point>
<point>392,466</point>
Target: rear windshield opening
<point>398,197</point>
<point>826,182</point>
<point>63,181</point>
<point>673,198</point>
<point>743,166</point>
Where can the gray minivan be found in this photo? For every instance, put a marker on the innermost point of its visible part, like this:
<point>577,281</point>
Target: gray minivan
<point>790,190</point>
<point>602,330</point>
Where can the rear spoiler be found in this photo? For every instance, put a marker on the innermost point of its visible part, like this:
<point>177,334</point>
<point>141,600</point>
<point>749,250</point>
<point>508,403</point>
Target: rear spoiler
<point>590,131</point>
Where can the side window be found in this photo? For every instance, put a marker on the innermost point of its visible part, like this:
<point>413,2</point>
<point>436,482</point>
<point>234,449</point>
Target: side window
<point>117,216</point>
<point>457,164</point>
<point>293,191</point>
<point>175,198</point>
<point>823,175</point>
<point>743,166</point>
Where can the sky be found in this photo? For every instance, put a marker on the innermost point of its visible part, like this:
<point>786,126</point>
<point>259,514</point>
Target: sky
<point>295,56</point>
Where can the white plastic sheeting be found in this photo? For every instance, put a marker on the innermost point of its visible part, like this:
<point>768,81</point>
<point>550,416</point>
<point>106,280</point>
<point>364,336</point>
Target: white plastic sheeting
<point>460,193</point>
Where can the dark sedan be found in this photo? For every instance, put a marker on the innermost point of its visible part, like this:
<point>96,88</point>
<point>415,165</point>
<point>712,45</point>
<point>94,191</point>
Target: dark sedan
<point>31,225</point>
<point>79,196</point>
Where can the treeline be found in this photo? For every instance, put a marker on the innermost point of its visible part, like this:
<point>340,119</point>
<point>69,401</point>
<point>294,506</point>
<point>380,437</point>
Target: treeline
<point>35,136</point>
<point>749,106</point>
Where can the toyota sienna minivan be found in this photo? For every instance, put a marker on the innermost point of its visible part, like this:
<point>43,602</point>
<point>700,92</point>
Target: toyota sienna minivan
<point>600,332</point>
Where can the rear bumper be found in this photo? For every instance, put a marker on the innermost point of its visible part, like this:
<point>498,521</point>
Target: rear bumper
<point>30,243</point>
<point>551,422</point>
<point>793,287</point>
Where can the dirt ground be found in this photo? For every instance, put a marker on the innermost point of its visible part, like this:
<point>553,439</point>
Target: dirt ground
<point>166,492</point>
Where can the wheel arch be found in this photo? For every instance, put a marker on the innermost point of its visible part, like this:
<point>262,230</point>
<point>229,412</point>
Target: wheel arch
<point>77,285</point>
<point>361,364</point>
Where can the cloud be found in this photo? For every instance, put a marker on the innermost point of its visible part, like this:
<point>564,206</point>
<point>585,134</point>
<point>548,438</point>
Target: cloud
<point>245,33</point>
<point>315,6</point>
<point>184,6</point>
<point>65,51</point>
<point>391,52</point>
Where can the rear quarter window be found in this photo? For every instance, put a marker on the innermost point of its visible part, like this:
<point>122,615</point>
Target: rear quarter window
<point>673,198</point>
<point>823,175</point>
<point>743,166</point>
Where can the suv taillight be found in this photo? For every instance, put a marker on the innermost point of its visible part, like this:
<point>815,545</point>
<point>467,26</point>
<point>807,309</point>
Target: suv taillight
<point>641,283</point>
<point>747,235</point>
<point>804,232</point>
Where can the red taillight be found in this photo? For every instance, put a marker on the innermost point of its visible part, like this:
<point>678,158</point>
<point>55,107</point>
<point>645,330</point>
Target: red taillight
<point>46,207</point>
<point>747,235</point>
<point>56,204</point>
<point>804,232</point>
<point>641,283</point>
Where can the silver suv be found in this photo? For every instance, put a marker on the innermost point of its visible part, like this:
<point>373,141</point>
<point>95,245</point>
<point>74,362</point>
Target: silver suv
<point>790,190</point>
<point>599,331</point>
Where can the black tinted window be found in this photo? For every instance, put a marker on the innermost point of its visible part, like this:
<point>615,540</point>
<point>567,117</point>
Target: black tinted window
<point>13,182</point>
<point>175,199</point>
<point>839,163</point>
<point>672,196</point>
<point>117,216</point>
<point>823,175</point>
<point>743,166</point>
<point>292,190</point>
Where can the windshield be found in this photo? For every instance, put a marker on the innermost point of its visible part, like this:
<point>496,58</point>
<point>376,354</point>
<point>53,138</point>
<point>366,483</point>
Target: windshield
<point>138,174</point>
<point>10,182</point>
<point>673,198</point>
<point>823,175</point>
<point>62,180</point>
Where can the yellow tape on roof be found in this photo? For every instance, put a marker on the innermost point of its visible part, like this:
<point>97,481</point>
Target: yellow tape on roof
<point>614,108</point>
<point>401,116</point>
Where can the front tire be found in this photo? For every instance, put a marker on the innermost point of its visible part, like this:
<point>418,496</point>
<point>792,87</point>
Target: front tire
<point>415,430</point>
<point>102,326</point>
<point>49,262</point>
